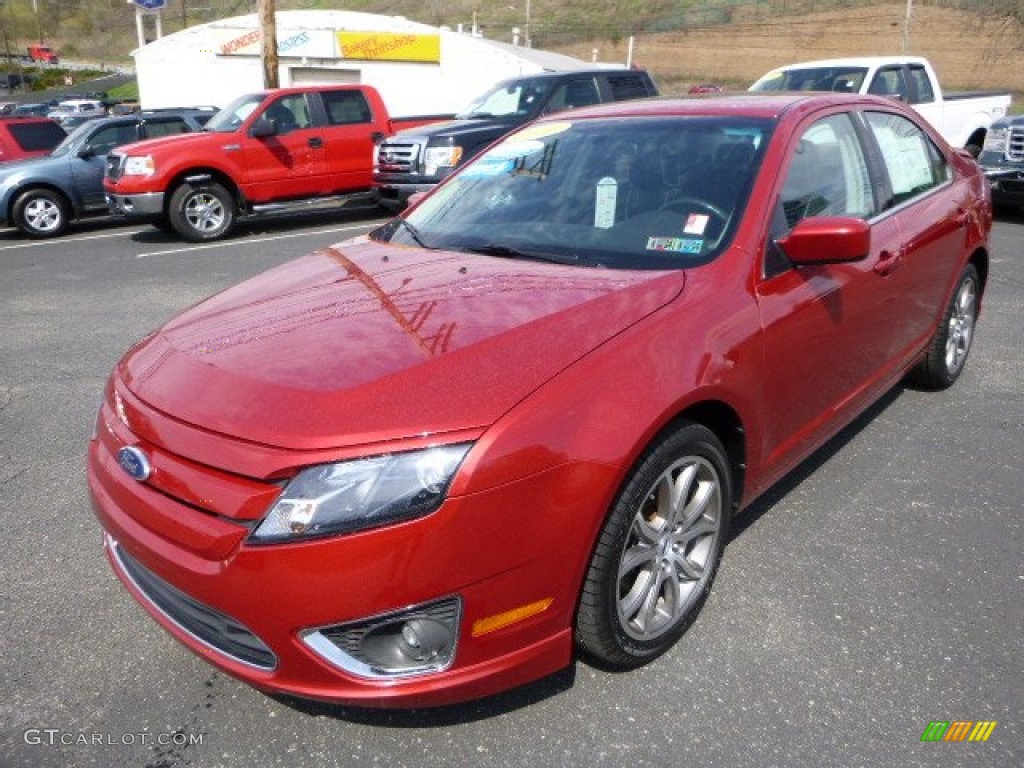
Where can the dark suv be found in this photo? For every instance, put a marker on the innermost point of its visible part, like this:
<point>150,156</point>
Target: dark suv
<point>415,160</point>
<point>41,195</point>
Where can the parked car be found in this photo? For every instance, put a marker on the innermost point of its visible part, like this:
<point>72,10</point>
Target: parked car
<point>31,109</point>
<point>963,119</point>
<point>288,149</point>
<point>22,137</point>
<point>42,195</point>
<point>415,160</point>
<point>421,466</point>
<point>706,88</point>
<point>1002,160</point>
<point>75,109</point>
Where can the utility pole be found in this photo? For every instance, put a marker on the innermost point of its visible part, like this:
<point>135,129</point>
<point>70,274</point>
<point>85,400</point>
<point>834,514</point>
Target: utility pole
<point>906,26</point>
<point>268,27</point>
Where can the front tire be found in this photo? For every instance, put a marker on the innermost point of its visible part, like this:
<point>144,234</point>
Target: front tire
<point>951,343</point>
<point>41,213</point>
<point>201,213</point>
<point>659,551</point>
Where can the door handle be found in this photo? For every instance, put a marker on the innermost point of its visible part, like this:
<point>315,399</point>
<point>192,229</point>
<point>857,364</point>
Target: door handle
<point>888,262</point>
<point>315,142</point>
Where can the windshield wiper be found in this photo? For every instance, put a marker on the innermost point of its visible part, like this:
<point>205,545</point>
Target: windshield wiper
<point>508,252</point>
<point>414,233</point>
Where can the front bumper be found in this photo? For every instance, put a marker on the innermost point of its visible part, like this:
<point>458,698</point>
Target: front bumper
<point>1007,185</point>
<point>250,609</point>
<point>143,205</point>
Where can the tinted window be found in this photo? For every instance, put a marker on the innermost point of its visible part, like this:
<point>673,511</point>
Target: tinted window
<point>629,86</point>
<point>289,113</point>
<point>36,136</point>
<point>922,86</point>
<point>112,136</point>
<point>346,107</point>
<point>889,82</point>
<point>913,162</point>
<point>166,127</point>
<point>571,94</point>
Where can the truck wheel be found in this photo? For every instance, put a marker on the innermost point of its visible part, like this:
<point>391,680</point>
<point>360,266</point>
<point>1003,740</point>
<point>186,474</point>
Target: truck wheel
<point>41,213</point>
<point>201,213</point>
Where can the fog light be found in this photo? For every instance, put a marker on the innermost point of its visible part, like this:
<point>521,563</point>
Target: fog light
<point>414,641</point>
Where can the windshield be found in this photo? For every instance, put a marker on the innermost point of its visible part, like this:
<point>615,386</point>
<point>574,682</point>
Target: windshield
<point>518,98</point>
<point>636,193</point>
<point>234,114</point>
<point>841,79</point>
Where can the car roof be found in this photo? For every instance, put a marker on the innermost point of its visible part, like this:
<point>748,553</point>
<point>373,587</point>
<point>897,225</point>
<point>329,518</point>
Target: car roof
<point>771,104</point>
<point>856,61</point>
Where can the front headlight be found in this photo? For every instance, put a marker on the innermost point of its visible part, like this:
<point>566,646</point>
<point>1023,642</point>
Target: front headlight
<point>995,140</point>
<point>139,166</point>
<point>363,493</point>
<point>435,158</point>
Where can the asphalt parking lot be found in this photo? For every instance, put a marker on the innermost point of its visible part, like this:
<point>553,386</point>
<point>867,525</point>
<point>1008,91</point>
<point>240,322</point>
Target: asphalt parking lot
<point>878,589</point>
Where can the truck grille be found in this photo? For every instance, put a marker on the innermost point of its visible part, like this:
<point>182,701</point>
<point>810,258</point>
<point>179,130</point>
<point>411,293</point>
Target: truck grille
<point>398,157</point>
<point>114,166</point>
<point>1015,145</point>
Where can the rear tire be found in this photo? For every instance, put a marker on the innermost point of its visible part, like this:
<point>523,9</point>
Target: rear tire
<point>41,213</point>
<point>659,551</point>
<point>202,212</point>
<point>951,343</point>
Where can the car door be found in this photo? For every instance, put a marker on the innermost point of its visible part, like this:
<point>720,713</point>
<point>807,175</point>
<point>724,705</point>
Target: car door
<point>930,209</point>
<point>289,163</point>
<point>87,165</point>
<point>348,137</point>
<point>827,328</point>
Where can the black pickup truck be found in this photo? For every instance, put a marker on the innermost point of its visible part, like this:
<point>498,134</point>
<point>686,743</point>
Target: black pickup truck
<point>416,159</point>
<point>1002,160</point>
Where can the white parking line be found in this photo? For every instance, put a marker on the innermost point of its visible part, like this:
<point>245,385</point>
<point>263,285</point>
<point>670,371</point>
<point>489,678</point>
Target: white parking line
<point>362,227</point>
<point>68,240</point>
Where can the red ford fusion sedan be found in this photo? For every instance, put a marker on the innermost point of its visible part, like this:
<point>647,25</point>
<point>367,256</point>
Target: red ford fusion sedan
<point>435,462</point>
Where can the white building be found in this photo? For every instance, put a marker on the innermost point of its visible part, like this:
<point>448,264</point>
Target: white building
<point>418,69</point>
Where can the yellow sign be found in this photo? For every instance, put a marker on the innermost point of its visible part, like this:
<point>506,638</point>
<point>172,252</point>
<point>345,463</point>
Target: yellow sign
<point>389,46</point>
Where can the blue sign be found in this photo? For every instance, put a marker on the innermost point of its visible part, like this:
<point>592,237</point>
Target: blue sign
<point>151,5</point>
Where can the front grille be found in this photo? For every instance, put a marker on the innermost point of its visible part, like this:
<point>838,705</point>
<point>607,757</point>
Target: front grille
<point>114,166</point>
<point>398,157</point>
<point>211,627</point>
<point>1015,145</point>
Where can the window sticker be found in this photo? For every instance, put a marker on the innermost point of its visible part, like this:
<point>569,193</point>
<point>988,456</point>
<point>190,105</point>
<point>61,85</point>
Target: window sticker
<point>503,158</point>
<point>696,223</point>
<point>675,244</point>
<point>604,203</point>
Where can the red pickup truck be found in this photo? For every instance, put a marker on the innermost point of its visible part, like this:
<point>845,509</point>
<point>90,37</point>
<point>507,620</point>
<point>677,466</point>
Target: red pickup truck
<point>273,151</point>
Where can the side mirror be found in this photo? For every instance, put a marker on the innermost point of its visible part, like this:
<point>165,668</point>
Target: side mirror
<point>827,240</point>
<point>263,126</point>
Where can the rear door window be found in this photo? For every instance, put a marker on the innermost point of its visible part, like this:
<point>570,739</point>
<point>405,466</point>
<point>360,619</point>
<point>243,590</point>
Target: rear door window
<point>167,127</point>
<point>33,137</point>
<point>914,164</point>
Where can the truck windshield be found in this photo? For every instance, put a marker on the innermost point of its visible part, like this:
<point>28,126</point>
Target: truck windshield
<point>841,79</point>
<point>511,99</point>
<point>234,114</point>
<point>636,193</point>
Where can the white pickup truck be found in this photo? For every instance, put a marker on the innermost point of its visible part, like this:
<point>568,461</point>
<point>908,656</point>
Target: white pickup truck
<point>963,119</point>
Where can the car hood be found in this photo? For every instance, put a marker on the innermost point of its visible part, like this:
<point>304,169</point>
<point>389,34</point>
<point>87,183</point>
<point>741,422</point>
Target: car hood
<point>173,142</point>
<point>476,130</point>
<point>364,342</point>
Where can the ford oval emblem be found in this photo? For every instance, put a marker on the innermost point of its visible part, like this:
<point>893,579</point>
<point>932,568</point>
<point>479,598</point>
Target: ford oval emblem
<point>134,462</point>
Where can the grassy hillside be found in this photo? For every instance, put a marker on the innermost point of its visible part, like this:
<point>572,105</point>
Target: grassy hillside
<point>973,44</point>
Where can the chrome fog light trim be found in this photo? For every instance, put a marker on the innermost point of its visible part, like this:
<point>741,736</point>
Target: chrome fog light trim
<point>418,640</point>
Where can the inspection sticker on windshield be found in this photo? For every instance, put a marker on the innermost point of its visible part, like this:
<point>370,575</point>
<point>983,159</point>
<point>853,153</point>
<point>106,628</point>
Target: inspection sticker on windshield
<point>675,244</point>
<point>604,203</point>
<point>696,223</point>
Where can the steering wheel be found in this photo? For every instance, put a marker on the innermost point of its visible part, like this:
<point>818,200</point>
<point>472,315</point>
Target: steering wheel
<point>684,201</point>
